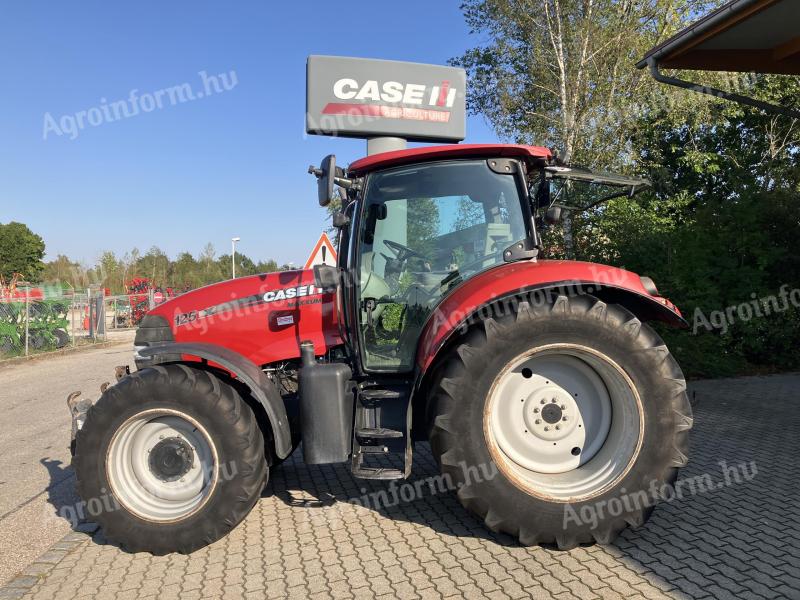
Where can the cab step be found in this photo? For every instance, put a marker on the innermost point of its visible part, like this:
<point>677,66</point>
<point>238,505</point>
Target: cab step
<point>381,431</point>
<point>368,436</point>
<point>377,473</point>
<point>374,397</point>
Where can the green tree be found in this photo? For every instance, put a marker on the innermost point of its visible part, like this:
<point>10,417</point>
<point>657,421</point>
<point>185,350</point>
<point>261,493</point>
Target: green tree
<point>110,272</point>
<point>423,225</point>
<point>559,73</point>
<point>266,266</point>
<point>21,251</point>
<point>154,265</point>
<point>718,229</point>
<point>186,272</point>
<point>68,273</point>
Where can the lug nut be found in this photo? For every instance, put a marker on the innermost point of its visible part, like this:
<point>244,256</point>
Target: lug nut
<point>546,428</point>
<point>553,400</point>
<point>558,426</point>
<point>563,407</point>
<point>536,410</point>
<point>563,418</point>
<point>542,402</point>
<point>538,421</point>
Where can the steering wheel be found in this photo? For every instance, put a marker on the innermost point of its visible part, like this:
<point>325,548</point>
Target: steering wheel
<point>403,253</point>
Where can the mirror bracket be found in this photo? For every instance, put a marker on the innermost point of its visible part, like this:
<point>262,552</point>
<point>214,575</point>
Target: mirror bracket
<point>340,220</point>
<point>521,250</point>
<point>503,166</point>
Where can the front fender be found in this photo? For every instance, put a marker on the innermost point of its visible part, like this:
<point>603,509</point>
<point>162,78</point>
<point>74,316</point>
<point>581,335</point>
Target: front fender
<point>245,370</point>
<point>473,296</point>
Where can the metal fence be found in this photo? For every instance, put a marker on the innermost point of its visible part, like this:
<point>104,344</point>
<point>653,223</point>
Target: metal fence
<point>49,321</point>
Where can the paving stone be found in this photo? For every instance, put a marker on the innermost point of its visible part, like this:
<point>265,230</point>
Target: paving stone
<point>739,540</point>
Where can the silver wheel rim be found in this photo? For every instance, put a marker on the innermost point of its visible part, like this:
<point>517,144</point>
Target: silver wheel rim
<point>563,422</point>
<point>162,465</point>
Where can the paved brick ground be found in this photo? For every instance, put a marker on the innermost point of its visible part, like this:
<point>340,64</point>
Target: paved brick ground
<point>301,541</point>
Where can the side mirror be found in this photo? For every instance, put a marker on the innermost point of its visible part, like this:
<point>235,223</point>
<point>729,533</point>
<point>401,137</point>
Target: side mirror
<point>325,180</point>
<point>552,215</point>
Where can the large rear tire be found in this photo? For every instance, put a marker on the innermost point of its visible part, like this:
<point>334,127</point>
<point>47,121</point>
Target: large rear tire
<point>169,460</point>
<point>560,423</point>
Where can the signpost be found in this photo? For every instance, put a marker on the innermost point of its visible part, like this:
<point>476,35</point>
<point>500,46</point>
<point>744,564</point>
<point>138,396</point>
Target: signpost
<point>323,253</point>
<point>386,101</point>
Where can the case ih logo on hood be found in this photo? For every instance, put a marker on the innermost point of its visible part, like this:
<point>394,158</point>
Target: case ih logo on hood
<point>291,293</point>
<point>414,97</point>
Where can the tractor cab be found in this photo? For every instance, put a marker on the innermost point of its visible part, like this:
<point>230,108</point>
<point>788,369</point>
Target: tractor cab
<point>416,224</point>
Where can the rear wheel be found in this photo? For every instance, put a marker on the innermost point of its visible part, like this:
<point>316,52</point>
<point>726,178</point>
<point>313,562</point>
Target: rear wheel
<point>169,459</point>
<point>560,422</point>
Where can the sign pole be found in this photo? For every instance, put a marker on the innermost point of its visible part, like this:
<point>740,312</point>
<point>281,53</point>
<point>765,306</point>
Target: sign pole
<point>385,144</point>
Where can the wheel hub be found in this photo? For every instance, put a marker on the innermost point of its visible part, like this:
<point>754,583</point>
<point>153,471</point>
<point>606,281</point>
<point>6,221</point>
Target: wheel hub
<point>550,413</point>
<point>162,465</point>
<point>171,458</point>
<point>563,421</point>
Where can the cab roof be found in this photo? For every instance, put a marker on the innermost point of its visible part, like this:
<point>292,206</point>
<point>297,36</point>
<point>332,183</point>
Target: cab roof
<point>533,154</point>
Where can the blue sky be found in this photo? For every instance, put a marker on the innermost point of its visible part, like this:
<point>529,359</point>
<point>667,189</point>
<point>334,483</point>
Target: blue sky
<point>232,163</point>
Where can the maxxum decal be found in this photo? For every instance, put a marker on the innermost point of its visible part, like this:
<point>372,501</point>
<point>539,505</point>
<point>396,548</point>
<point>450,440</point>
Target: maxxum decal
<point>248,301</point>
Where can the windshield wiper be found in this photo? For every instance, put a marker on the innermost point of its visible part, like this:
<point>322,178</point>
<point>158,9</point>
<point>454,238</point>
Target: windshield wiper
<point>585,175</point>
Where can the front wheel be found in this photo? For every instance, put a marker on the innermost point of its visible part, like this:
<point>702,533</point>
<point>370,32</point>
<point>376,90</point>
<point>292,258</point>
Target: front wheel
<point>560,422</point>
<point>169,459</point>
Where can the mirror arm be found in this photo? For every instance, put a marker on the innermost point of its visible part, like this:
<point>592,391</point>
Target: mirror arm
<point>348,184</point>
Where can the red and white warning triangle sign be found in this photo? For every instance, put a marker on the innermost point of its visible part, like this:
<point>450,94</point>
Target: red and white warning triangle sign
<point>323,253</point>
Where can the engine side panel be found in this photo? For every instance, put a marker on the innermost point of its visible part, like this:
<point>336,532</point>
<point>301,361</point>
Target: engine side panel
<point>262,317</point>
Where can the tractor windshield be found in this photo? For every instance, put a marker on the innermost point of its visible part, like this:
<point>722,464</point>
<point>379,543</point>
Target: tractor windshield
<point>425,228</point>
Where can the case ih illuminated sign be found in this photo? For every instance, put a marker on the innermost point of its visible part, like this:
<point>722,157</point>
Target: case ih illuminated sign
<point>358,97</point>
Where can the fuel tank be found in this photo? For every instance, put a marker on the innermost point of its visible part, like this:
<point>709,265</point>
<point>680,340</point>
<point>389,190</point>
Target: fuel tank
<point>263,317</point>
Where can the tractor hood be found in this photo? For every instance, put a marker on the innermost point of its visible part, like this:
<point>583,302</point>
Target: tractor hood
<point>263,317</point>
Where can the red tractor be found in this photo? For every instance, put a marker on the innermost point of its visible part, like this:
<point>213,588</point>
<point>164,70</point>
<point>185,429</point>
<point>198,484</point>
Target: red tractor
<point>549,403</point>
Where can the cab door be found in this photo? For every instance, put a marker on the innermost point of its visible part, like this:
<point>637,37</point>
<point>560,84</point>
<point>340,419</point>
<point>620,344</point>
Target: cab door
<point>423,230</point>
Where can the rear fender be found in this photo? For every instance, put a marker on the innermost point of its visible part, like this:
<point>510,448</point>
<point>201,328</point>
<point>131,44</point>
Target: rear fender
<point>262,389</point>
<point>477,297</point>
